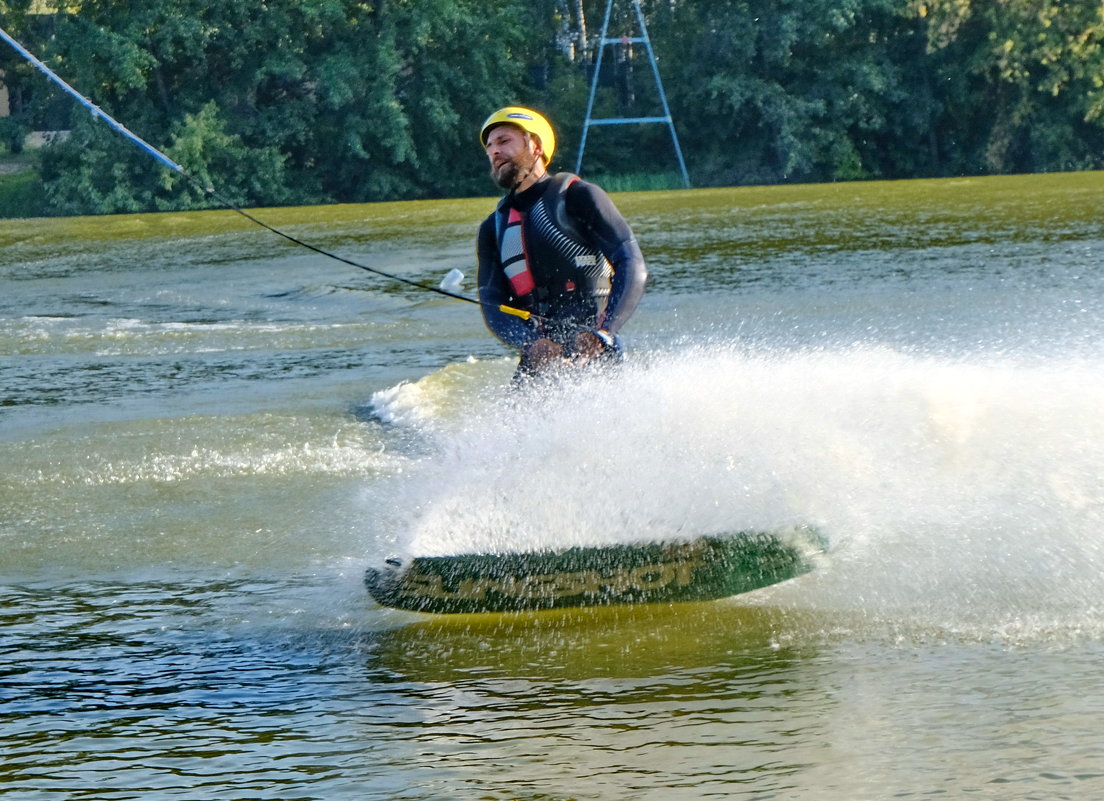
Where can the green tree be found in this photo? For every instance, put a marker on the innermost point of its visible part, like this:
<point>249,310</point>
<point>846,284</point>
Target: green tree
<point>282,101</point>
<point>784,91</point>
<point>305,101</point>
<point>1024,81</point>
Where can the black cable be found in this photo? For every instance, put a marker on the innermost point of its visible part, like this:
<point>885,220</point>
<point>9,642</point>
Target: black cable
<point>99,114</point>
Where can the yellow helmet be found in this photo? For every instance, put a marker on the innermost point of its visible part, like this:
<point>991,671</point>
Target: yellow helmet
<point>526,119</point>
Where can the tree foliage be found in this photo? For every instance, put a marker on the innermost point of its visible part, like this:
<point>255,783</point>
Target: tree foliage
<point>278,101</point>
<point>307,101</point>
<point>1025,78</point>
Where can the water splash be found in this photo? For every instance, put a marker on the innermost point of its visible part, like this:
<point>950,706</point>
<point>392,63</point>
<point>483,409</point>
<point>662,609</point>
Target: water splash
<point>971,485</point>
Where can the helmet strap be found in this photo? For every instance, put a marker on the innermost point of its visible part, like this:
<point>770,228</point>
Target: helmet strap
<point>523,174</point>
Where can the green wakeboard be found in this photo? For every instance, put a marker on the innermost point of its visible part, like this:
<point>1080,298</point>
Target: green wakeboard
<point>703,569</point>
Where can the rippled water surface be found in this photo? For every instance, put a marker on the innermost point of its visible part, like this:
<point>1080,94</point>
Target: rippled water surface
<point>207,434</point>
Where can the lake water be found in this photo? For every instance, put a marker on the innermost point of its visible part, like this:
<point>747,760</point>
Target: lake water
<point>207,434</point>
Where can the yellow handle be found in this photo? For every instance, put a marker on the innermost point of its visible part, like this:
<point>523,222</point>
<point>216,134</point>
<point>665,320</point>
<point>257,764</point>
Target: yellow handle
<point>524,315</point>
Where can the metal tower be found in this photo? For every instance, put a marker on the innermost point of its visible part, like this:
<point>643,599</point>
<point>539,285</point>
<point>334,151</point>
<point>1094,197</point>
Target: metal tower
<point>603,42</point>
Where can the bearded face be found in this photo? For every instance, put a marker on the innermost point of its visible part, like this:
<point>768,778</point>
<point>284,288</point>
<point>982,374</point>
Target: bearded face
<point>506,172</point>
<point>510,156</point>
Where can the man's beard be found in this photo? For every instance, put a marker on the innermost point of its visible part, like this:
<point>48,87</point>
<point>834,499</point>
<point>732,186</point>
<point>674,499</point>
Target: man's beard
<point>512,173</point>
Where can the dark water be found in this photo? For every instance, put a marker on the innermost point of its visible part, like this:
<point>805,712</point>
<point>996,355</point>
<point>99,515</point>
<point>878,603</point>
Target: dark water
<point>206,435</point>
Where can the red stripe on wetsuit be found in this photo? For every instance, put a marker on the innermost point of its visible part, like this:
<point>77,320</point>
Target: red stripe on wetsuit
<point>515,259</point>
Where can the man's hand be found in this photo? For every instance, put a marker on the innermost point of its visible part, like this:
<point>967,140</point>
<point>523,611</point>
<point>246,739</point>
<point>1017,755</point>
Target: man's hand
<point>544,354</point>
<point>589,344</point>
<point>541,354</point>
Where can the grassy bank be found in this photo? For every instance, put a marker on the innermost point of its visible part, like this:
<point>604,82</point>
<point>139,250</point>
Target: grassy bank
<point>22,195</point>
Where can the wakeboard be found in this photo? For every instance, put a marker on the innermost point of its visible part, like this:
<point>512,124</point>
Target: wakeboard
<point>702,569</point>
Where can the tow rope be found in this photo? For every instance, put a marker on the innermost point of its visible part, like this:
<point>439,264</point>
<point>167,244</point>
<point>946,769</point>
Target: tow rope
<point>100,114</point>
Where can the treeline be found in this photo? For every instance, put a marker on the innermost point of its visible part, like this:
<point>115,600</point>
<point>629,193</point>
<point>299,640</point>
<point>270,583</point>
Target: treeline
<point>313,101</point>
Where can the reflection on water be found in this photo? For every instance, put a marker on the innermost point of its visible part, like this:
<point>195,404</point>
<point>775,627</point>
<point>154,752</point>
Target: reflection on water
<point>584,644</point>
<point>606,702</point>
<point>158,690</point>
<point>254,687</point>
<point>186,688</point>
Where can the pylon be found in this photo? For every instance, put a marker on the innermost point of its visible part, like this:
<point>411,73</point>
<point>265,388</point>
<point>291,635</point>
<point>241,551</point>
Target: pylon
<point>590,121</point>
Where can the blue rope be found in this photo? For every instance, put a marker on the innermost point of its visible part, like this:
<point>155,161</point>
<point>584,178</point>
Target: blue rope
<point>97,112</point>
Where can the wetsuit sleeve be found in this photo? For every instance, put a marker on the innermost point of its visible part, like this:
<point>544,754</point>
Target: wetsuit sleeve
<point>593,210</point>
<point>494,292</point>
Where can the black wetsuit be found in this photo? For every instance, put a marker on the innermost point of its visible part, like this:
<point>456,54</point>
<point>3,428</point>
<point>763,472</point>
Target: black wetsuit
<point>577,264</point>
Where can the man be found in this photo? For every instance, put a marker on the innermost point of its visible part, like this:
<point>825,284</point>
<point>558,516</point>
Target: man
<point>555,247</point>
